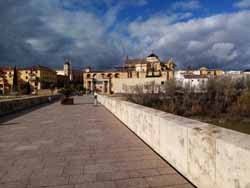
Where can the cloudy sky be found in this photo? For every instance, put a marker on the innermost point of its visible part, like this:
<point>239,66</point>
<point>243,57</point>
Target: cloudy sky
<point>100,33</point>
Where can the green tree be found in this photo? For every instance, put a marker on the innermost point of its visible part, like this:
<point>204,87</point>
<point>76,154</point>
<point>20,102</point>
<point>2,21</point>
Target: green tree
<point>26,88</point>
<point>15,80</point>
<point>52,87</point>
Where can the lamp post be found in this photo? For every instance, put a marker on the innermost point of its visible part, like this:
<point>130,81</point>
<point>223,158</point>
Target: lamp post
<point>94,85</point>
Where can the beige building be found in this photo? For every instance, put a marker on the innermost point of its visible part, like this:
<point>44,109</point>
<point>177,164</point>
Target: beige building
<point>39,77</point>
<point>6,79</point>
<point>4,84</point>
<point>211,72</point>
<point>142,70</point>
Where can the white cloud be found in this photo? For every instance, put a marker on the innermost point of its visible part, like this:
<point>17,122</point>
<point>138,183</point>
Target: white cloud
<point>47,31</point>
<point>37,44</point>
<point>243,4</point>
<point>187,5</point>
<point>84,35</point>
<point>221,40</point>
<point>223,51</point>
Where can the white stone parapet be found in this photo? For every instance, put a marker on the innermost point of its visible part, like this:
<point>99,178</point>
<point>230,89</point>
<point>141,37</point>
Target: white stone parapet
<point>207,155</point>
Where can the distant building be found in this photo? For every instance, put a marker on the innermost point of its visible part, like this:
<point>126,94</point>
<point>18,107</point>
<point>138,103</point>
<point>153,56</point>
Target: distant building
<point>69,75</point>
<point>5,80</point>
<point>151,66</point>
<point>211,72</point>
<point>39,77</point>
<point>139,70</point>
<point>233,72</point>
<point>196,79</point>
<point>246,72</point>
<point>238,74</point>
<point>195,82</point>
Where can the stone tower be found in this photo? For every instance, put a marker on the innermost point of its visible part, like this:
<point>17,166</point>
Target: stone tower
<point>67,69</point>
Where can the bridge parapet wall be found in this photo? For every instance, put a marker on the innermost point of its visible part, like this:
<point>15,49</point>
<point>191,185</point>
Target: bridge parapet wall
<point>207,155</point>
<point>14,105</point>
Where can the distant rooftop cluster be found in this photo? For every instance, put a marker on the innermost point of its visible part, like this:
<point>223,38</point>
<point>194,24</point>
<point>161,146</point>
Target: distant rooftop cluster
<point>141,70</point>
<point>37,78</point>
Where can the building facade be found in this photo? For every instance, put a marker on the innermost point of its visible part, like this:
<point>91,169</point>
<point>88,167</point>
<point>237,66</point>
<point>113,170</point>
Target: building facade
<point>197,83</point>
<point>37,77</point>
<point>211,72</point>
<point>139,69</point>
<point>6,80</point>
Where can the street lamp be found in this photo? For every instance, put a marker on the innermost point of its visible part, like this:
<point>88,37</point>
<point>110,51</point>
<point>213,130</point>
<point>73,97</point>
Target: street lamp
<point>94,84</point>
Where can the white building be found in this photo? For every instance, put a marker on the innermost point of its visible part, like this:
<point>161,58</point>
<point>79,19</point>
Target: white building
<point>195,82</point>
<point>233,72</point>
<point>60,72</point>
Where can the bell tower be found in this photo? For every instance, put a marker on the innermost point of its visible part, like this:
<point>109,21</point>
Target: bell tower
<point>67,68</point>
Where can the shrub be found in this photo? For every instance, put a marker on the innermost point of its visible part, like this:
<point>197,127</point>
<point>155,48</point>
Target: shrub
<point>242,107</point>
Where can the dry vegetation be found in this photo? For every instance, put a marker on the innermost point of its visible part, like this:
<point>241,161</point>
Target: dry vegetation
<point>224,102</point>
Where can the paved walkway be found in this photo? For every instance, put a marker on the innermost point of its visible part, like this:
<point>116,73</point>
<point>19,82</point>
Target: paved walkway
<point>78,146</point>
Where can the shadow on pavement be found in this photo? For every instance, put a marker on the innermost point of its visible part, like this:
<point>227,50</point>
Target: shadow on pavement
<point>78,104</point>
<point>14,115</point>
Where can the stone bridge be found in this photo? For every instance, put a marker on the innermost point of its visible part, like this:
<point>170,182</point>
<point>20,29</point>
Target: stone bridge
<point>78,146</point>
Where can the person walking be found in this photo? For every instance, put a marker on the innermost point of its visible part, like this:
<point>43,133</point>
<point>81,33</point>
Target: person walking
<point>95,98</point>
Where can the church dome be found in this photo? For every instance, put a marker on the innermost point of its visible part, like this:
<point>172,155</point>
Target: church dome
<point>153,55</point>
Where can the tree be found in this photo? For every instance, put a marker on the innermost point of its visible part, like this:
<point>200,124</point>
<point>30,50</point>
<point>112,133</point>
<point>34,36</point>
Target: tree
<point>52,87</point>
<point>15,80</point>
<point>26,88</point>
<point>242,107</point>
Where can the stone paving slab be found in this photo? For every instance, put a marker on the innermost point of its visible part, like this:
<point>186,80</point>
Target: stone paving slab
<point>78,146</point>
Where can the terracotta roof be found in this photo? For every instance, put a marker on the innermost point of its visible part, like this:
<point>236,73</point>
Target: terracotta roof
<point>37,67</point>
<point>189,76</point>
<point>135,61</point>
<point>6,68</point>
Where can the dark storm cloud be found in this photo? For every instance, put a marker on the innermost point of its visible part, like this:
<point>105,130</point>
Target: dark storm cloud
<point>43,32</point>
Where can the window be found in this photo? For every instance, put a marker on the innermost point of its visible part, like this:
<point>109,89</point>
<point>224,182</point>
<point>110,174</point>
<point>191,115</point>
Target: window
<point>162,83</point>
<point>117,75</point>
<point>130,74</point>
<point>26,77</point>
<point>109,75</point>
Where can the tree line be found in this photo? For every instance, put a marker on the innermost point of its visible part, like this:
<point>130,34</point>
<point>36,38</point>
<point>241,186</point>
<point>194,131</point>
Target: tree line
<point>222,96</point>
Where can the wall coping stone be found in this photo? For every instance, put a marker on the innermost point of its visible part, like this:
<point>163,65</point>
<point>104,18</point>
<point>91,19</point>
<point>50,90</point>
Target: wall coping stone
<point>207,155</point>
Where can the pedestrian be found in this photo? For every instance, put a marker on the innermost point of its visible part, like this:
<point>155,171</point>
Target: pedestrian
<point>95,98</point>
<point>49,99</point>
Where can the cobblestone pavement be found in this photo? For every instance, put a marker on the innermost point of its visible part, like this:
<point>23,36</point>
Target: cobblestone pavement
<point>78,146</point>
